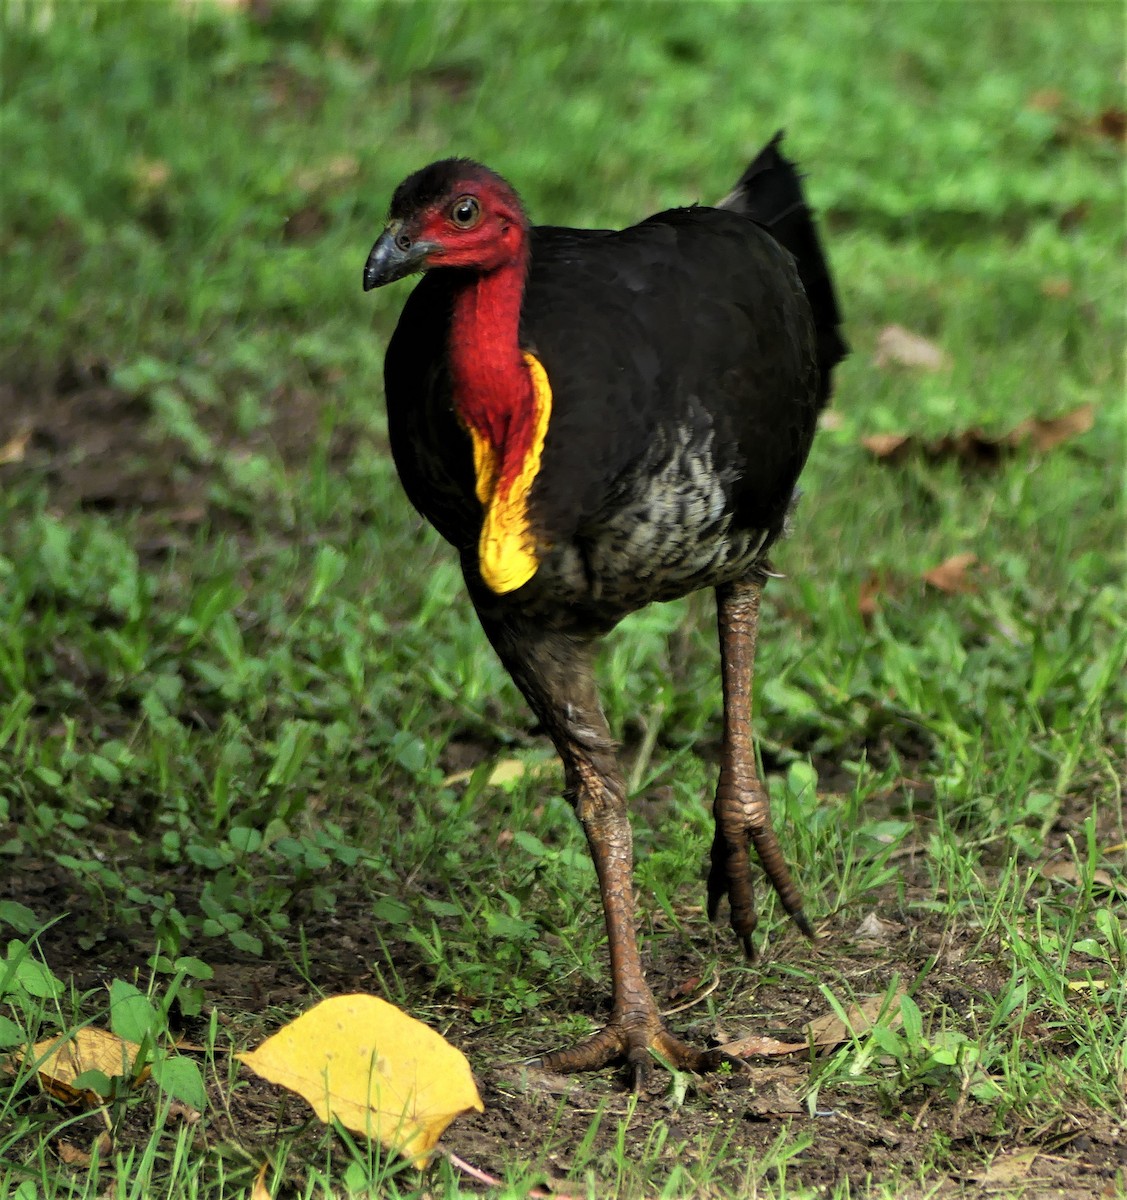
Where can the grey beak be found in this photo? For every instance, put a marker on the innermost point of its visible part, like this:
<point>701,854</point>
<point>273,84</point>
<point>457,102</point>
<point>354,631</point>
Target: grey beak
<point>389,260</point>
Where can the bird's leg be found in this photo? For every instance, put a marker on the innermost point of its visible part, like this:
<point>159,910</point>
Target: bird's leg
<point>742,808</point>
<point>555,674</point>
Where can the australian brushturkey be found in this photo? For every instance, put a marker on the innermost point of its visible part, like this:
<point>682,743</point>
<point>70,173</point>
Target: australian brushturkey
<point>600,419</point>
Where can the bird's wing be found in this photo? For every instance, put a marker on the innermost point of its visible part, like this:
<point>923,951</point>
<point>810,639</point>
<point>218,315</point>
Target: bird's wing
<point>692,324</point>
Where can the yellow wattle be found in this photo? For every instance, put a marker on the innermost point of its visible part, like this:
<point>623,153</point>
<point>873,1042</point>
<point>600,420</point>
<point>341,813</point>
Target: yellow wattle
<point>506,551</point>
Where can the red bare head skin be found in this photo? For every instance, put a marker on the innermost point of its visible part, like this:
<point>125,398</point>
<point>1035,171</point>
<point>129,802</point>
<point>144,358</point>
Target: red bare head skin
<point>467,216</point>
<point>458,215</point>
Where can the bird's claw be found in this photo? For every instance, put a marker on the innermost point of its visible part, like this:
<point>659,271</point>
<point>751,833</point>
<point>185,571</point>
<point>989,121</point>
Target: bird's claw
<point>637,1041</point>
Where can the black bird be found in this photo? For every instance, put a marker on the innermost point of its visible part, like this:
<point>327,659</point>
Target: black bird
<point>601,419</point>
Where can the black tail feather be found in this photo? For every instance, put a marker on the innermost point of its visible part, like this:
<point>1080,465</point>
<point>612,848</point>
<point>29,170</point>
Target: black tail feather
<point>770,193</point>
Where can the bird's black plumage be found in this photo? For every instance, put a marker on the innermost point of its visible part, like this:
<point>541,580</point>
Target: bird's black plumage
<point>683,349</point>
<point>687,357</point>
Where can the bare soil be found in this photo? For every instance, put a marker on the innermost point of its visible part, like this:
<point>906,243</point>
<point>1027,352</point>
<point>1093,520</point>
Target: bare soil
<point>93,447</point>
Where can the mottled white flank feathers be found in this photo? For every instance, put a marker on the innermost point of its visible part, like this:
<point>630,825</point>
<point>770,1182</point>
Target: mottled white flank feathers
<point>641,551</point>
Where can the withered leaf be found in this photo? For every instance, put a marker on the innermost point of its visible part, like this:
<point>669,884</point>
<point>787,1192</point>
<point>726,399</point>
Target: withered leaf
<point>825,1032</point>
<point>897,346</point>
<point>1007,1169</point>
<point>884,445</point>
<point>763,1046</point>
<point>875,585</point>
<point>1066,871</point>
<point>1045,100</point>
<point>1112,123</point>
<point>1046,433</point>
<point>829,1031</point>
<point>951,575</point>
<point>1056,287</point>
<point>88,1049</point>
<point>260,1191</point>
<point>14,449</point>
<point>976,448</point>
<point>875,929</point>
<point>72,1155</point>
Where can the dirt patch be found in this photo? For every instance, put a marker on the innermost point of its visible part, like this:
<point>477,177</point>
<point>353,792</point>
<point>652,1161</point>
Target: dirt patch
<point>851,1134</point>
<point>95,447</point>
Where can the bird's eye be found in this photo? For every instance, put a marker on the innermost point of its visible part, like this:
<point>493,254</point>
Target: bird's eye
<point>465,212</point>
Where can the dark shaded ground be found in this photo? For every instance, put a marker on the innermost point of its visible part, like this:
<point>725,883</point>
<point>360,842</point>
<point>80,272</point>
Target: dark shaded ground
<point>94,448</point>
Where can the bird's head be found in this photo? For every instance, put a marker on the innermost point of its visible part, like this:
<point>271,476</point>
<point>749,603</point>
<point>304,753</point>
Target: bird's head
<point>454,213</point>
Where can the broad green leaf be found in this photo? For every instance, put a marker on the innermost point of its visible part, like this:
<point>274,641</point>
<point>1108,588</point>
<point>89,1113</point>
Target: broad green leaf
<point>132,1016</point>
<point>180,1078</point>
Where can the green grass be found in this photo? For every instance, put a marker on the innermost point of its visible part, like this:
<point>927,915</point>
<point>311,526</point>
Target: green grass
<point>240,686</point>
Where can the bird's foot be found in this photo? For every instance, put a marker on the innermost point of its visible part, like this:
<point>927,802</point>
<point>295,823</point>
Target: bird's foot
<point>633,1039</point>
<point>743,821</point>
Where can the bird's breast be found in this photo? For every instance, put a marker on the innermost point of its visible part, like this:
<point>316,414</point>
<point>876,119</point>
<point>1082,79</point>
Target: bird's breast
<point>666,528</point>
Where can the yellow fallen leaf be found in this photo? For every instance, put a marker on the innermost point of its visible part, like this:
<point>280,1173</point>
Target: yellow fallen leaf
<point>505,774</point>
<point>374,1068</point>
<point>1087,985</point>
<point>260,1191</point>
<point>88,1049</point>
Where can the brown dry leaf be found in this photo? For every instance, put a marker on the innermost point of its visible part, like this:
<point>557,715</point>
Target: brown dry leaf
<point>885,445</point>
<point>1045,100</point>
<point>775,1103</point>
<point>1007,1169</point>
<point>1066,871</point>
<point>150,174</point>
<point>1046,433</point>
<point>260,1191</point>
<point>897,346</point>
<point>873,587</point>
<point>374,1068</point>
<point>14,449</point>
<point>685,988</point>
<point>1112,123</point>
<point>829,1031</point>
<point>874,929</point>
<point>76,1156</point>
<point>88,1050</point>
<point>72,1155</point>
<point>179,1111</point>
<point>976,448</point>
<point>765,1046</point>
<point>951,576</point>
<point>825,1032</point>
<point>1056,287</point>
<point>338,169</point>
